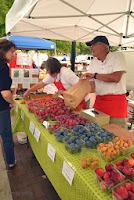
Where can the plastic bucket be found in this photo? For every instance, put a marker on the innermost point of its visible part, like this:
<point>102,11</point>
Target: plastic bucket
<point>22,137</point>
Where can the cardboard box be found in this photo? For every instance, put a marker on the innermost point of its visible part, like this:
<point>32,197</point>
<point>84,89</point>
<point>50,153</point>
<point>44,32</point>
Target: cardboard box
<point>130,109</point>
<point>95,116</point>
<point>119,131</point>
<point>39,96</point>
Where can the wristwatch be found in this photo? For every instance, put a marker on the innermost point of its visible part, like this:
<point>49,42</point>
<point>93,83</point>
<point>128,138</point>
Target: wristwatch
<point>95,75</point>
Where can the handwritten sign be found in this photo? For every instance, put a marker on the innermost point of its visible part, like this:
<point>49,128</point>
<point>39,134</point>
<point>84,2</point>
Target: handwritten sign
<point>22,115</point>
<point>16,108</point>
<point>51,152</point>
<point>37,134</point>
<point>67,172</point>
<point>31,127</point>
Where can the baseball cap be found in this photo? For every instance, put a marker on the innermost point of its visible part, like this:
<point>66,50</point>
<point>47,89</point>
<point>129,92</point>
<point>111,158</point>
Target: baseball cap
<point>100,38</point>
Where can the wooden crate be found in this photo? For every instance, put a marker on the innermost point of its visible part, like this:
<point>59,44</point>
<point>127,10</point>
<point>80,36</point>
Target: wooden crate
<point>39,96</point>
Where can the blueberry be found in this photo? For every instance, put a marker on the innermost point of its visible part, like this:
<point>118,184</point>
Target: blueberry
<point>72,144</point>
<point>86,139</point>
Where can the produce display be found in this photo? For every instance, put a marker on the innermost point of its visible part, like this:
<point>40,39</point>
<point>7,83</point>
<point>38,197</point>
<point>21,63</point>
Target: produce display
<point>89,162</point>
<point>54,126</point>
<point>55,110</point>
<point>124,190</point>
<point>62,136</point>
<point>77,133</point>
<point>119,146</point>
<point>74,145</point>
<point>109,178</point>
<point>125,166</point>
<point>90,158</point>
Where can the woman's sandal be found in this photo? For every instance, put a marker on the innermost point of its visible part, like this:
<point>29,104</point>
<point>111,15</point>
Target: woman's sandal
<point>11,166</point>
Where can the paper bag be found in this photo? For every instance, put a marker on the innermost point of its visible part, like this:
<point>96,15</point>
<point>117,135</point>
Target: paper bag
<point>75,94</point>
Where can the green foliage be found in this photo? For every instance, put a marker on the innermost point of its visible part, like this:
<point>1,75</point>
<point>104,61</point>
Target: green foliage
<point>65,47</point>
<point>62,48</point>
<point>9,3</point>
<point>3,11</point>
<point>82,48</point>
<point>5,5</point>
<point>113,48</point>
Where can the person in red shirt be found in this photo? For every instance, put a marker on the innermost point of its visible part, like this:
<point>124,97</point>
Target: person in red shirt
<point>13,64</point>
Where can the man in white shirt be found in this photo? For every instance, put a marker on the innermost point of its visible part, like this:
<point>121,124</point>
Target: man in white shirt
<point>108,78</point>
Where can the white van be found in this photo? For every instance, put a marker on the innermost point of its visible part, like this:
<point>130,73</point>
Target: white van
<point>90,57</point>
<point>84,58</point>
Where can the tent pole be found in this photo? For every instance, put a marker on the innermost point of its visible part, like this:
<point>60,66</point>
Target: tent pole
<point>55,51</point>
<point>73,56</point>
<point>120,44</point>
<point>8,34</point>
<point>38,55</point>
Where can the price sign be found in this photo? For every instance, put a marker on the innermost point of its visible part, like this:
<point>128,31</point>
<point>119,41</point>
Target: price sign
<point>16,108</point>
<point>67,172</point>
<point>51,152</point>
<point>31,127</point>
<point>22,115</point>
<point>37,134</point>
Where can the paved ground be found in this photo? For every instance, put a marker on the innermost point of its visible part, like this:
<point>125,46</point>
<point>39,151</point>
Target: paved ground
<point>27,180</point>
<point>5,191</point>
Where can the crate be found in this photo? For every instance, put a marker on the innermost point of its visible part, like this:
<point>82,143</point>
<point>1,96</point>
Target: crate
<point>39,96</point>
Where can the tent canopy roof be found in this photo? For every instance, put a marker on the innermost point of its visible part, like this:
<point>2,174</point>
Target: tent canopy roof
<point>22,42</point>
<point>73,20</point>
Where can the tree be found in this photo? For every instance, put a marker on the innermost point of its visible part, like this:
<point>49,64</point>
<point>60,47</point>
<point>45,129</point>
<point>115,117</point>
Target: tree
<point>3,11</point>
<point>9,3</point>
<point>62,48</point>
<point>82,48</point>
<point>113,48</point>
<point>5,5</point>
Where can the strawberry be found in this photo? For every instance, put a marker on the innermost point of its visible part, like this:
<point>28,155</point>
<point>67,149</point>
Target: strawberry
<point>109,167</point>
<point>132,155</point>
<point>122,192</point>
<point>99,172</point>
<point>22,102</point>
<point>106,175</point>
<point>118,162</point>
<point>128,186</point>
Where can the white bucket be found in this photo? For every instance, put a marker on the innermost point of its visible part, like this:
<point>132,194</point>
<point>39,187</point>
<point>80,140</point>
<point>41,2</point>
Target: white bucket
<point>22,137</point>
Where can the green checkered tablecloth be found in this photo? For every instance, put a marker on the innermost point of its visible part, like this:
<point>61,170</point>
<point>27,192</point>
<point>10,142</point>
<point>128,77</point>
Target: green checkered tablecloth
<point>84,186</point>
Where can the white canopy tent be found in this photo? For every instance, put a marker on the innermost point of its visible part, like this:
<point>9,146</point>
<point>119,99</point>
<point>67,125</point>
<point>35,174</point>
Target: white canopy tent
<point>77,20</point>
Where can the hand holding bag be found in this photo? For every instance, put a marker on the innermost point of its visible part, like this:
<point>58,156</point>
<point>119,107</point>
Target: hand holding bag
<point>75,94</point>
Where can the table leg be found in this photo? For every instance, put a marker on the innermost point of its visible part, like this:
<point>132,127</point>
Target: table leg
<point>27,142</point>
<point>132,120</point>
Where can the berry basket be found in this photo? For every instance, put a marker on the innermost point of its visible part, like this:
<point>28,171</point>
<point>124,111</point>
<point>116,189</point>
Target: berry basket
<point>92,127</point>
<point>125,166</point>
<point>109,151</point>
<point>79,130</point>
<point>90,140</point>
<point>62,135</point>
<point>109,178</point>
<point>74,144</point>
<point>52,126</point>
<point>90,158</point>
<point>123,190</point>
